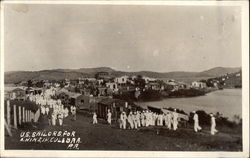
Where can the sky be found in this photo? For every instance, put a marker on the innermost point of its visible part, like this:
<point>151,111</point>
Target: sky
<point>127,38</point>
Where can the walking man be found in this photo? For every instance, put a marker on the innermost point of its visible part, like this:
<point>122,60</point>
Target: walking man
<point>196,122</point>
<point>73,112</point>
<point>60,118</point>
<point>130,120</point>
<point>124,120</point>
<point>134,120</point>
<point>138,119</point>
<point>94,118</point>
<point>213,125</point>
<point>142,117</point>
<point>121,120</point>
<point>109,116</point>
<point>175,120</point>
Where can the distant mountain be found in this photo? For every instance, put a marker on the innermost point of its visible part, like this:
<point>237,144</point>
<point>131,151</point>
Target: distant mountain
<point>85,70</point>
<point>218,71</point>
<point>59,74</point>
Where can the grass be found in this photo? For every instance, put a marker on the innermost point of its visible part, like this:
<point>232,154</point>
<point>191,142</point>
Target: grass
<point>105,137</point>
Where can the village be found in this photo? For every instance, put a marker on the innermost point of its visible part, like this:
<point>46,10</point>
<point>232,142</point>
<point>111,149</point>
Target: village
<point>47,102</point>
<point>90,94</point>
<point>83,92</point>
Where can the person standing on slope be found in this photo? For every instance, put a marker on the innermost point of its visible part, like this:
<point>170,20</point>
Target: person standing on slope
<point>197,127</point>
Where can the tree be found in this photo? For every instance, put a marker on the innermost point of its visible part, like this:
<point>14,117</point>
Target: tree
<point>30,84</point>
<point>140,82</point>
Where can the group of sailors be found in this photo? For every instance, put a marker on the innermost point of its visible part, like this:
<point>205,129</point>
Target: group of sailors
<point>53,109</point>
<point>145,118</point>
<point>135,120</point>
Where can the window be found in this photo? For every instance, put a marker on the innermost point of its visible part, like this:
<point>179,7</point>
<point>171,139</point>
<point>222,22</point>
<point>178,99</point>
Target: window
<point>82,101</point>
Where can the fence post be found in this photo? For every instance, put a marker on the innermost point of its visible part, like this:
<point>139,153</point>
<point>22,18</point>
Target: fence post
<point>7,128</point>
<point>8,112</point>
<point>24,115</point>
<point>29,116</point>
<point>33,118</point>
<point>15,117</point>
<point>19,115</point>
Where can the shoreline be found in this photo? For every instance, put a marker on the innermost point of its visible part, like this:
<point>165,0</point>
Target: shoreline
<point>189,104</point>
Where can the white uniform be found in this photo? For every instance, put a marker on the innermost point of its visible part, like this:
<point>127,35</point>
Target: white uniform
<point>134,120</point>
<point>121,121</point>
<point>160,117</point>
<point>130,121</point>
<point>147,119</point>
<point>213,125</point>
<point>47,110</point>
<point>109,115</point>
<point>66,112</point>
<point>73,112</point>
<point>138,119</point>
<point>142,117</point>
<point>175,120</point>
<point>60,118</point>
<point>94,118</point>
<point>53,118</point>
<point>42,109</point>
<point>124,120</point>
<point>151,121</point>
<point>168,120</point>
<point>196,123</point>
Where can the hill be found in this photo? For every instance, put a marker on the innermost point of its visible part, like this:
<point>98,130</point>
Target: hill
<point>59,74</point>
<point>218,71</point>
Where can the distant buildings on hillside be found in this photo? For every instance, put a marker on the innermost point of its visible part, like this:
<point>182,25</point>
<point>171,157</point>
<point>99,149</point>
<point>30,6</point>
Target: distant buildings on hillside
<point>79,91</point>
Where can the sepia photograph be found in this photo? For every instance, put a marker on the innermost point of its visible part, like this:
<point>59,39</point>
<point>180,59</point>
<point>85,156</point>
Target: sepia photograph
<point>132,78</point>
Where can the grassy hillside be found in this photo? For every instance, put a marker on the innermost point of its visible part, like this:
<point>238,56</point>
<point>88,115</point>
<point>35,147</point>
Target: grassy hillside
<point>218,71</point>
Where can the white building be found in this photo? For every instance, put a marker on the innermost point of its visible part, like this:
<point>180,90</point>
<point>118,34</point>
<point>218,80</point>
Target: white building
<point>197,84</point>
<point>112,85</point>
<point>121,80</point>
<point>148,79</point>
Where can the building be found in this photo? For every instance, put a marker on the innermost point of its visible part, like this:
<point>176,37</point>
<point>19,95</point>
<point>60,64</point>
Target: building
<point>121,80</point>
<point>76,99</point>
<point>182,85</point>
<point>197,84</point>
<point>100,81</point>
<point>33,91</point>
<point>154,86</point>
<point>102,91</point>
<point>103,75</point>
<point>233,81</point>
<point>79,100</point>
<point>116,106</point>
<point>171,85</point>
<point>18,94</point>
<point>148,79</point>
<point>112,85</point>
<point>85,91</point>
